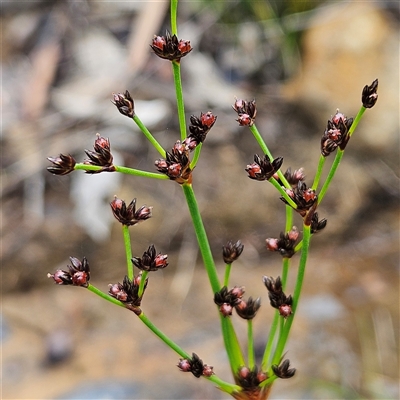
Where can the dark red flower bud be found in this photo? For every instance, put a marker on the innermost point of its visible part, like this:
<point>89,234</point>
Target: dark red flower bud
<point>263,169</point>
<point>128,215</point>
<point>127,292</point>
<point>184,365</point>
<point>124,103</point>
<point>170,48</point>
<point>195,365</point>
<point>369,94</point>
<point>150,261</point>
<point>226,309</point>
<point>231,251</point>
<point>78,273</point>
<point>208,370</point>
<point>63,165</point>
<point>248,309</point>
<point>101,156</point>
<point>246,111</point>
<point>249,379</point>
<point>283,371</point>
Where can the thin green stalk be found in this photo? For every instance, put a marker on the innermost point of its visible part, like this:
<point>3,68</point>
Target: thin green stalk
<point>282,192</point>
<point>142,283</point>
<point>317,178</point>
<point>334,167</point>
<point>149,136</point>
<point>196,155</point>
<point>289,218</point>
<point>105,296</point>
<point>357,119</point>
<point>224,386</point>
<point>228,268</point>
<point>174,12</point>
<point>284,335</point>
<point>202,237</point>
<point>123,170</point>
<point>231,342</point>
<point>266,151</point>
<point>176,68</point>
<point>128,251</point>
<point>250,344</point>
<point>170,343</point>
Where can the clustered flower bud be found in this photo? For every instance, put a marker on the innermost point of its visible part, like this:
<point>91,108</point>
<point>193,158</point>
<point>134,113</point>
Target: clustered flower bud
<point>176,164</point>
<point>283,371</point>
<point>232,251</point>
<point>317,225</point>
<point>196,366</point>
<point>78,273</point>
<point>249,379</point>
<point>151,261</point>
<point>303,196</point>
<point>336,134</point>
<point>247,309</point>
<point>129,215</point>
<point>228,299</point>
<point>127,292</point>
<point>124,103</point>
<point>63,165</point>
<point>246,111</point>
<point>101,156</point>
<point>277,297</point>
<point>369,94</point>
<point>285,244</point>
<point>199,128</point>
<point>170,48</point>
<point>263,169</point>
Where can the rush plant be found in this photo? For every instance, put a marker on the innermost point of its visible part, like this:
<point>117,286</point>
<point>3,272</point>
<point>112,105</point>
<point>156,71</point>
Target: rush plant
<point>250,381</point>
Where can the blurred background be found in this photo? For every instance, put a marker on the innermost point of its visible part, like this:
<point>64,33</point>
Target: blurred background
<point>62,60</point>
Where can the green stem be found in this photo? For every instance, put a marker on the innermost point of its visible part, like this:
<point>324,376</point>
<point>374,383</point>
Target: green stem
<point>228,268</point>
<point>105,296</point>
<point>231,342</point>
<point>202,237</point>
<point>196,156</point>
<point>176,68</point>
<point>149,136</point>
<point>142,283</point>
<point>289,218</point>
<point>174,12</point>
<point>357,119</point>
<point>284,335</point>
<point>170,343</point>
<point>123,170</point>
<point>317,178</point>
<point>266,151</point>
<point>334,167</point>
<point>128,250</point>
<point>250,344</point>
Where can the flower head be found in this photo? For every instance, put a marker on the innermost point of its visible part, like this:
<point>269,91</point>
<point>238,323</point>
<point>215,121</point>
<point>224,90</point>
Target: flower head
<point>63,165</point>
<point>228,299</point>
<point>127,292</point>
<point>247,309</point>
<point>124,103</point>
<point>231,251</point>
<point>170,48</point>
<point>78,273</point>
<point>369,94</point>
<point>285,244</point>
<point>128,215</point>
<point>303,196</point>
<point>336,134</point>
<point>249,379</point>
<point>176,164</point>
<point>151,261</point>
<point>101,156</point>
<point>246,111</point>
<point>263,169</point>
<point>283,371</point>
<point>277,297</point>
<point>195,365</point>
<point>199,128</point>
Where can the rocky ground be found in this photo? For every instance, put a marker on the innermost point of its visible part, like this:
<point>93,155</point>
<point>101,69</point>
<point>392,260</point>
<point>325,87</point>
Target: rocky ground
<point>60,63</point>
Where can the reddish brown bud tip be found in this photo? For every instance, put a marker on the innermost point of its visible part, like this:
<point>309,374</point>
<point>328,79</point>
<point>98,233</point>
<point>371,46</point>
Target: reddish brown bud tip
<point>285,310</point>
